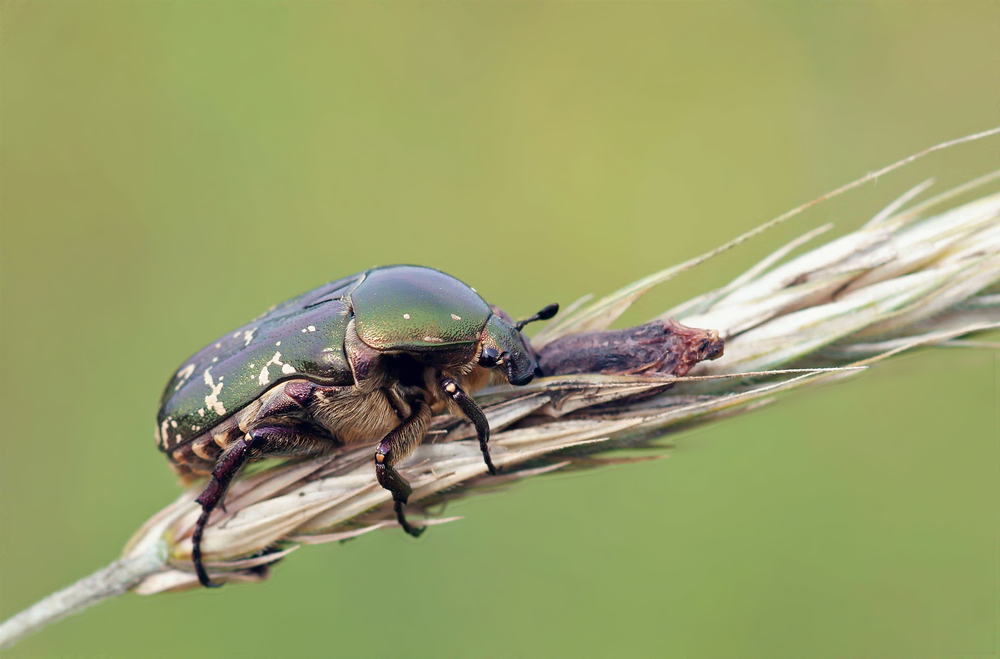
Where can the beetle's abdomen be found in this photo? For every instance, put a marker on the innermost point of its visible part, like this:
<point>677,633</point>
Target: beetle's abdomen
<point>319,418</point>
<point>195,458</point>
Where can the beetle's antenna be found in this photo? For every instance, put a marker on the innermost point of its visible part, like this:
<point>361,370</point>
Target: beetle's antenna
<point>544,314</point>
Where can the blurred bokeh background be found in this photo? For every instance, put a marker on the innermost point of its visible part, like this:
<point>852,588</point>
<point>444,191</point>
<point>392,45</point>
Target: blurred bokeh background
<point>169,170</point>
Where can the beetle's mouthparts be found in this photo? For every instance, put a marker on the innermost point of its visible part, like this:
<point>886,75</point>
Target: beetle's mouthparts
<point>522,379</point>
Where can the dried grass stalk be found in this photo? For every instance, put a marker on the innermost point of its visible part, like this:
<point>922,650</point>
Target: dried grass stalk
<point>903,279</point>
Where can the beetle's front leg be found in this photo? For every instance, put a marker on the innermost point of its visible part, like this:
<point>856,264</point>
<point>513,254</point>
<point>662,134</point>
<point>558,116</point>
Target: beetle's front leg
<point>473,413</point>
<point>226,468</point>
<point>397,446</point>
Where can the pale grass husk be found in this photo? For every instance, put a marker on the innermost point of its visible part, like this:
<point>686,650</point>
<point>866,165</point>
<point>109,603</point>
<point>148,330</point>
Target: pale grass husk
<point>883,288</point>
<point>905,278</point>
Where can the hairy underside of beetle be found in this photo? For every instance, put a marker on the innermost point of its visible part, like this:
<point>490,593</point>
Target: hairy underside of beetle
<point>318,419</point>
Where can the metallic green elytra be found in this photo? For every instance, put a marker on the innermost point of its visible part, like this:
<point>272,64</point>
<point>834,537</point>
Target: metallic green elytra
<point>369,357</point>
<point>304,336</point>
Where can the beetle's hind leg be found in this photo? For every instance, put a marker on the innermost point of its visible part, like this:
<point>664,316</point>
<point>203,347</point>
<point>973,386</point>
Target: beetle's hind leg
<point>259,440</point>
<point>397,446</point>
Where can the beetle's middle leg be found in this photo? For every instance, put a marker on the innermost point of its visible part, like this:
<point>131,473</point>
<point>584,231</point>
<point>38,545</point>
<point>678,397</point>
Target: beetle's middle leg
<point>396,446</point>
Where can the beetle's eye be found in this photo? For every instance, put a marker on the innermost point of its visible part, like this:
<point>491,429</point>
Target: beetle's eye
<point>488,357</point>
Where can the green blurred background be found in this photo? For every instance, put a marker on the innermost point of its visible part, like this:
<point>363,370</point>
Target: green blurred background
<point>169,170</point>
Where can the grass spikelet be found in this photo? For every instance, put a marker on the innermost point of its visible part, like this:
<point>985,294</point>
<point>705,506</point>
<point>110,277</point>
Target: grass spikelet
<point>905,278</point>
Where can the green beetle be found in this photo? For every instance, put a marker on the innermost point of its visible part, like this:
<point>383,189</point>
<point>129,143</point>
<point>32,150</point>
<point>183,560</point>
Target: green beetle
<point>370,356</point>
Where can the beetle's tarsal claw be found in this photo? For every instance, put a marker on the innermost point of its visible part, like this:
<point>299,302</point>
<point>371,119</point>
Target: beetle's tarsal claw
<point>489,464</point>
<point>415,531</point>
<point>199,568</point>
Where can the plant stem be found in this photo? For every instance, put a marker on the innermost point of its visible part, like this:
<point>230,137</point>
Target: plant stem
<point>115,579</point>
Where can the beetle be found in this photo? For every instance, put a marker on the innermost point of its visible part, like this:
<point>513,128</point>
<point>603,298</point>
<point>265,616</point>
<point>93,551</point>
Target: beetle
<point>370,356</point>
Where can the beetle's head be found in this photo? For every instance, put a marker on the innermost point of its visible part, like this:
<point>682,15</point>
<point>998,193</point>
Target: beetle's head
<point>503,346</point>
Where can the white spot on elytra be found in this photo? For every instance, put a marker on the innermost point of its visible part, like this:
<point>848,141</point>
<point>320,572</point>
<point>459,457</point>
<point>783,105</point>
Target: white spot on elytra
<point>278,343</point>
<point>178,438</point>
<point>212,400</point>
<point>184,374</point>
<point>218,345</point>
<point>455,317</point>
<point>433,339</point>
<point>265,373</point>
<point>248,337</point>
<point>236,334</point>
<point>406,316</point>
<point>163,428</point>
<point>201,412</point>
<point>215,359</point>
<point>311,328</point>
<point>304,330</point>
<point>173,424</point>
